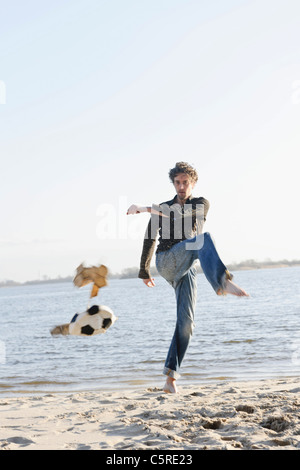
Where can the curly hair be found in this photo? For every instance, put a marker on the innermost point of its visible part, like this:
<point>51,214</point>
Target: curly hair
<point>183,167</point>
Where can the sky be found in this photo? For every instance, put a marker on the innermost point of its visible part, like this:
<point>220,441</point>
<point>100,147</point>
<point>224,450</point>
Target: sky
<point>100,98</point>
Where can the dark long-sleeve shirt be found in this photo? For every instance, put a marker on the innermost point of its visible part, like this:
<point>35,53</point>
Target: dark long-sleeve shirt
<point>176,223</point>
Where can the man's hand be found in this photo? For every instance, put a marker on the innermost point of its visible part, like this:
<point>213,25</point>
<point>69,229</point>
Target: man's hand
<point>136,209</point>
<point>149,282</point>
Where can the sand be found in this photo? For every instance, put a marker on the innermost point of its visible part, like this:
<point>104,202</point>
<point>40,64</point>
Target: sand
<point>215,416</point>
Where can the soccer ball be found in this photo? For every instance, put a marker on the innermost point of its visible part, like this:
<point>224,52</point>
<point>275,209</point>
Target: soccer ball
<point>97,319</point>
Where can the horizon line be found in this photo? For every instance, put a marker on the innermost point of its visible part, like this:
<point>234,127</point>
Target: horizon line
<point>132,272</point>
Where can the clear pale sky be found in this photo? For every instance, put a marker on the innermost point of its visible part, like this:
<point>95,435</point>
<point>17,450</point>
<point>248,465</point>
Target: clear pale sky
<point>99,99</point>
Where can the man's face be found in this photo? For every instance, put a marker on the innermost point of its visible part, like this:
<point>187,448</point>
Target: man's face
<point>184,187</point>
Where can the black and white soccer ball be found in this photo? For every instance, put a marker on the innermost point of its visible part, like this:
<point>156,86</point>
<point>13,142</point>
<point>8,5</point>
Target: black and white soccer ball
<point>97,319</point>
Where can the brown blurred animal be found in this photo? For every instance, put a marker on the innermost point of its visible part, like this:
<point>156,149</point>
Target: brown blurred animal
<point>95,274</point>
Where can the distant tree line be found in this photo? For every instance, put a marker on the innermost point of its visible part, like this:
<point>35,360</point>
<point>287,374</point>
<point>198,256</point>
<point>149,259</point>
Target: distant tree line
<point>130,273</point>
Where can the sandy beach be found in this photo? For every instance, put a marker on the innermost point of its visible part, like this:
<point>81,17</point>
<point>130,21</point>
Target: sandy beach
<point>215,416</point>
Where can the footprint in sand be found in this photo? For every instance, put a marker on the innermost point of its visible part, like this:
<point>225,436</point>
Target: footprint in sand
<point>21,441</point>
<point>83,447</point>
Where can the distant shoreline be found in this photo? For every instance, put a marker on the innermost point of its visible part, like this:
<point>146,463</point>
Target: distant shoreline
<point>131,273</point>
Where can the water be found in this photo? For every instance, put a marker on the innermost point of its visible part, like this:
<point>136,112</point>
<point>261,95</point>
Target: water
<point>234,338</point>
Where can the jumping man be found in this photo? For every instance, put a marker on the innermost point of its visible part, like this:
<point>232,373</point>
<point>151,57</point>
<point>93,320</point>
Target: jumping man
<point>179,223</point>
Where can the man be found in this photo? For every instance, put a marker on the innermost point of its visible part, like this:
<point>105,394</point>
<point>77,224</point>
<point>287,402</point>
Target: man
<point>179,223</point>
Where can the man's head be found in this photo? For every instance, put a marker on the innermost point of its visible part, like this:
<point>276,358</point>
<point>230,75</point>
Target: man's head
<point>184,177</point>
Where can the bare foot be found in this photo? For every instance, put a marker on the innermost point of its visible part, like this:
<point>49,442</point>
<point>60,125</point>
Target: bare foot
<point>232,288</point>
<point>170,385</point>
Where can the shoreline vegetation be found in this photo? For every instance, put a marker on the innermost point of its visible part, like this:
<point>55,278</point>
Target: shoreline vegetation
<point>130,273</point>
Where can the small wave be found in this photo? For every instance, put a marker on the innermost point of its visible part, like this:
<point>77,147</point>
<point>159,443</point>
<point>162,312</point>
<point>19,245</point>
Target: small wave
<point>236,341</point>
<point>45,382</point>
<point>5,386</point>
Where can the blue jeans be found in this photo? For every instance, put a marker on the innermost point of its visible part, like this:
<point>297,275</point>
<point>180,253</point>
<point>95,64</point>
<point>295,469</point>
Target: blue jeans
<point>177,267</point>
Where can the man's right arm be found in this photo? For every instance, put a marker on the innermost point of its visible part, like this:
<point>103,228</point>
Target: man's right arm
<point>149,239</point>
<point>147,253</point>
